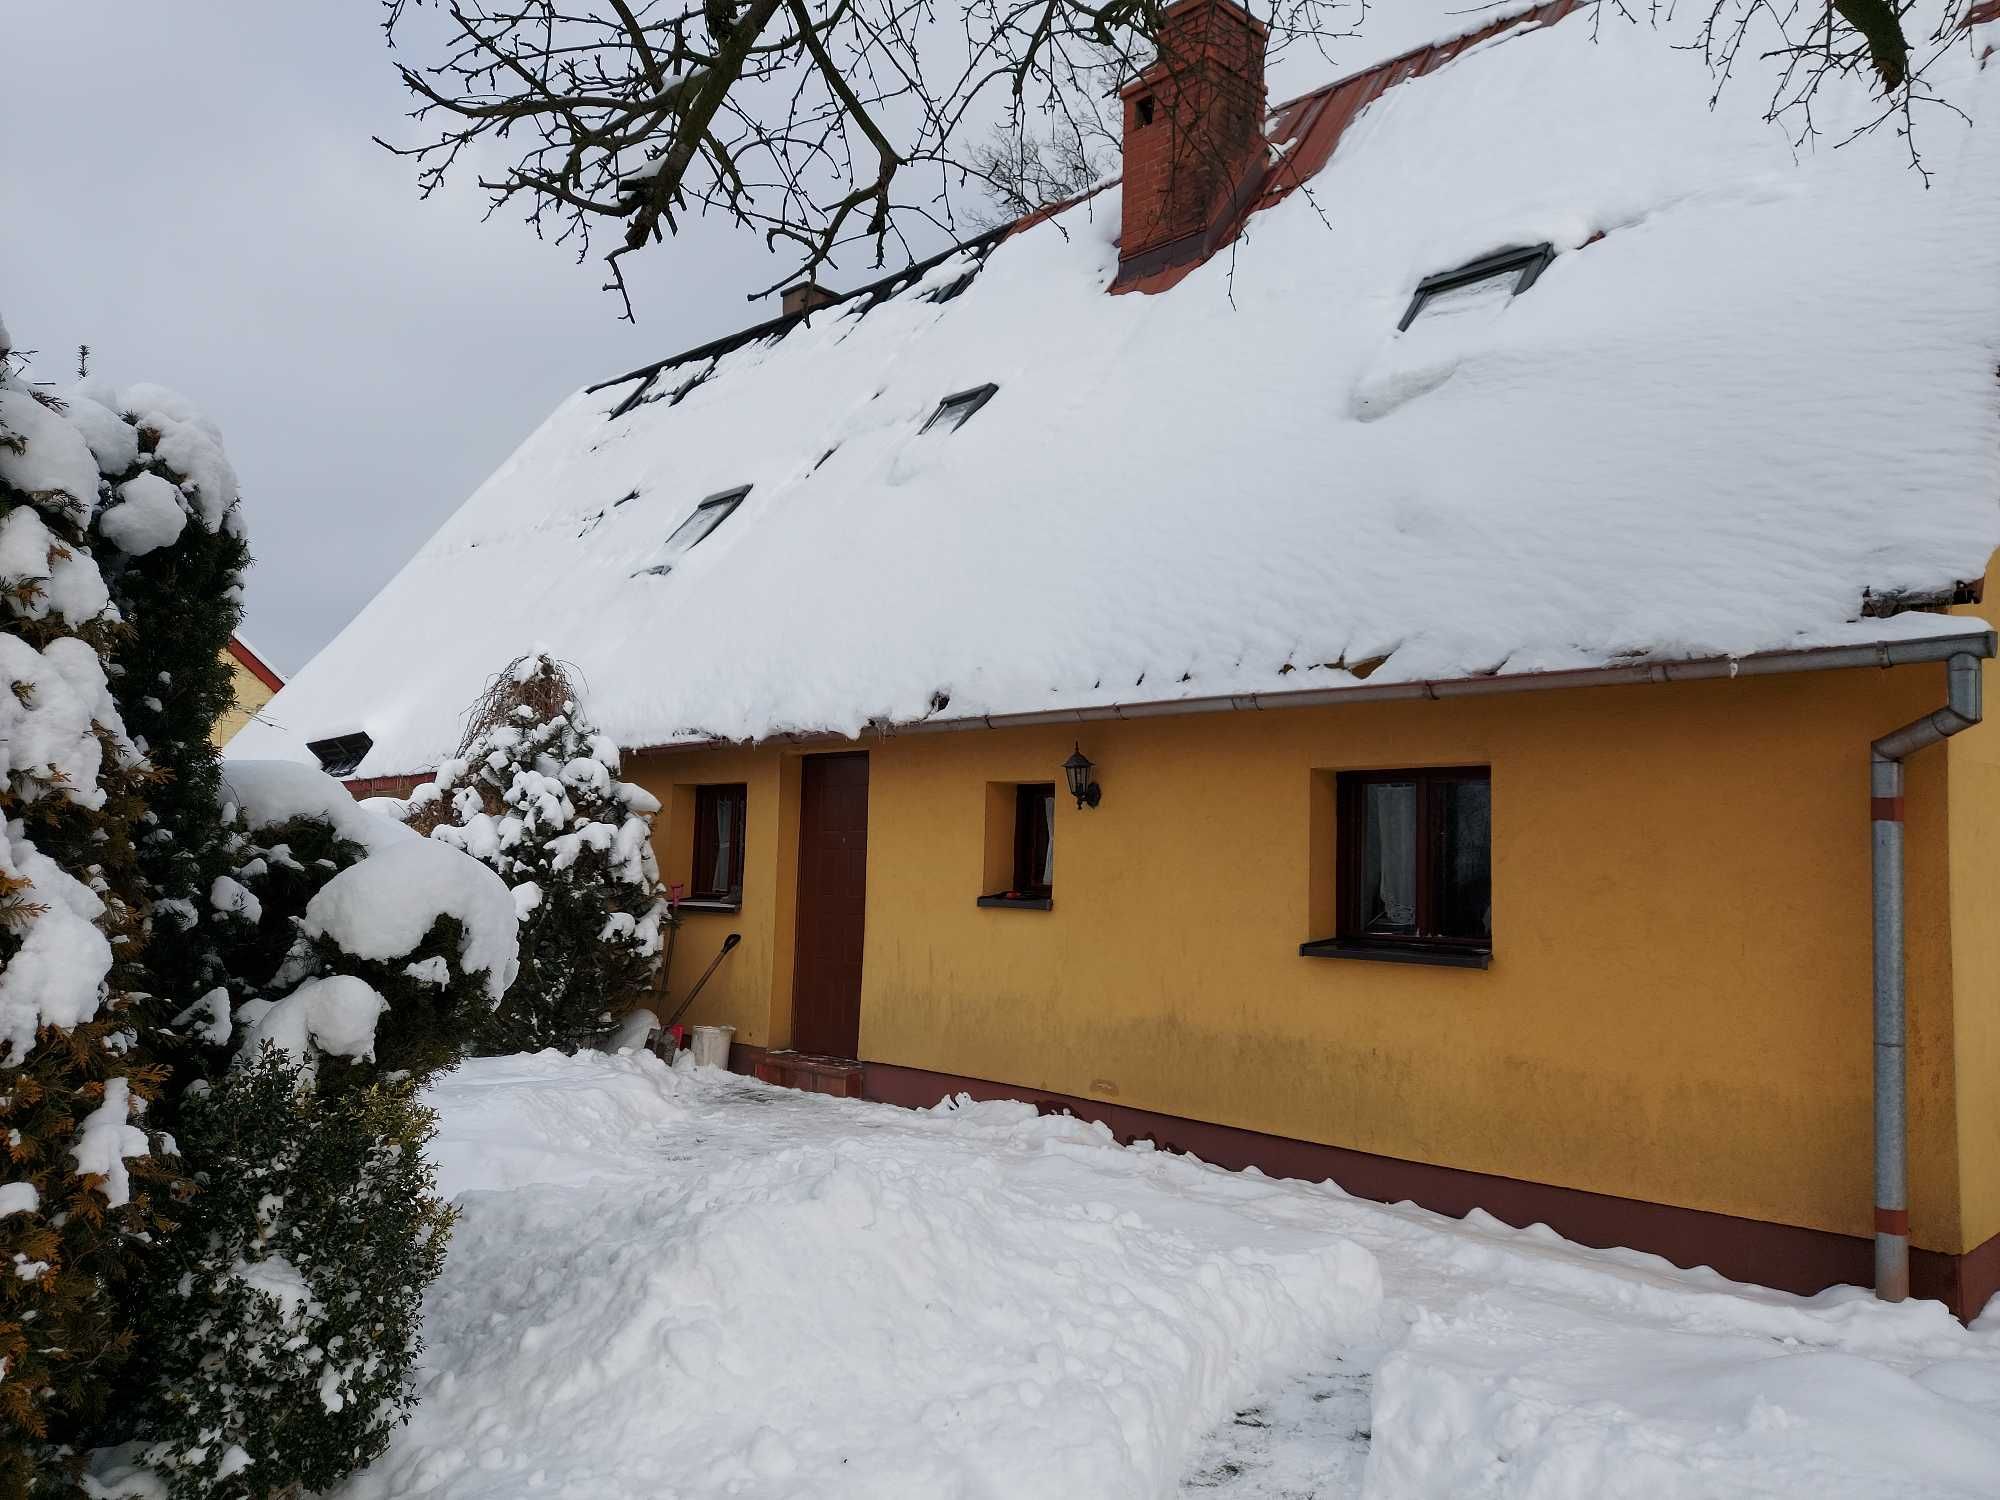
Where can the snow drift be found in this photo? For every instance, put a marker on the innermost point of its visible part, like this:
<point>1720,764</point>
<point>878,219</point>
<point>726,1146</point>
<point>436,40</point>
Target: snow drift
<point>670,1284</point>
<point>680,1283</point>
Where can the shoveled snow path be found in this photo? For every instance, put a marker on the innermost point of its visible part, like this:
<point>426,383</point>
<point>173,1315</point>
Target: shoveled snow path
<point>682,1284</point>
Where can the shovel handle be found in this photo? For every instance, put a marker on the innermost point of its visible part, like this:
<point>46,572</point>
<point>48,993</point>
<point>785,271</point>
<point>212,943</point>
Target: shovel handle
<point>728,946</point>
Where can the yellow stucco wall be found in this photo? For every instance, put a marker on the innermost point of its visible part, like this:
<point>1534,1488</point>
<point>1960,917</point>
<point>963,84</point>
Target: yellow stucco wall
<point>1678,1006</point>
<point>250,695</point>
<point>1974,760</point>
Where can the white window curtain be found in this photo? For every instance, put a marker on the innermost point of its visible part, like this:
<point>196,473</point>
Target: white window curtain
<point>725,842</point>
<point>1392,853</point>
<point>1049,839</point>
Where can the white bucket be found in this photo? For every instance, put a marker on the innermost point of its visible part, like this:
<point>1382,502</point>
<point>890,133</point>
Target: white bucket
<point>710,1047</point>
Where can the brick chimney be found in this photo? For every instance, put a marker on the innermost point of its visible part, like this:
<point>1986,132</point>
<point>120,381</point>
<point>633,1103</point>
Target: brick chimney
<point>1193,123</point>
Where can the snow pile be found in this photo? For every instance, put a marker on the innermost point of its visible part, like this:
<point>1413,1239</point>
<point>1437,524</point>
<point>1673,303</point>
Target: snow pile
<point>46,741</point>
<point>1680,441</point>
<point>65,582</point>
<point>678,1283</point>
<point>672,1284</point>
<point>335,1015</point>
<point>381,907</point>
<point>49,460</point>
<point>18,1198</point>
<point>181,436</point>
<point>270,792</point>
<point>148,514</point>
<point>56,977</point>
<point>1512,1395</point>
<point>106,1137</point>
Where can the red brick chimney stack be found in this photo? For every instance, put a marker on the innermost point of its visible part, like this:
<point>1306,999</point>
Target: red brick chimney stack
<point>1193,123</point>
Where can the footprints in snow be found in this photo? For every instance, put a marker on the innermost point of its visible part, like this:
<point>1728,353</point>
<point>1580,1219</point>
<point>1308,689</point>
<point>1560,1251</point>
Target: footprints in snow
<point>1308,1440</point>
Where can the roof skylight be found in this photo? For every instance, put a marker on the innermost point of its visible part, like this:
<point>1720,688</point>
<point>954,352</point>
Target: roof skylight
<point>708,515</point>
<point>339,754</point>
<point>1503,274</point>
<point>952,289</point>
<point>955,411</point>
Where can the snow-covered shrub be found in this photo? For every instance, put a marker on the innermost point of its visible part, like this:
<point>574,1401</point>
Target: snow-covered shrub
<point>359,959</point>
<point>535,795</point>
<point>320,889</point>
<point>83,1183</point>
<point>296,1289</point>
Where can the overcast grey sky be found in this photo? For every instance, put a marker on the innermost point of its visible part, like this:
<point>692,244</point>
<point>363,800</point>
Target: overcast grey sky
<point>190,188</point>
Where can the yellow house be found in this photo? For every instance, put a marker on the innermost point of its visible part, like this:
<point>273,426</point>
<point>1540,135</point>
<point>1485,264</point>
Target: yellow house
<point>254,684</point>
<point>1464,679</point>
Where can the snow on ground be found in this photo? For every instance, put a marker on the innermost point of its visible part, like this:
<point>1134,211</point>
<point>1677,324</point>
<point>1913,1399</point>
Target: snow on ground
<point>678,1283</point>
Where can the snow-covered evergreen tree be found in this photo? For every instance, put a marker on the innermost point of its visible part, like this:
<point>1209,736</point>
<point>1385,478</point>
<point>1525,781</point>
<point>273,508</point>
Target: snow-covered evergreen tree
<point>83,1184</point>
<point>322,889</point>
<point>535,794</point>
<point>170,543</point>
<point>300,963</point>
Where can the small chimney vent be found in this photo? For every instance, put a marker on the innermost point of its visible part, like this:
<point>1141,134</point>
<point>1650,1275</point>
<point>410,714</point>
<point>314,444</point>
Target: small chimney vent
<point>1193,121</point>
<point>807,295</point>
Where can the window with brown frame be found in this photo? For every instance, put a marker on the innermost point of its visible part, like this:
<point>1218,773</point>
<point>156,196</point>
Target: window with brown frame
<point>1415,874</point>
<point>1033,882</point>
<point>718,843</point>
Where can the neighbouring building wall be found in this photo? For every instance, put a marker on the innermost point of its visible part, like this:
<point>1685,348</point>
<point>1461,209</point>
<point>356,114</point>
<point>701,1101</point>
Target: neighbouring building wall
<point>1678,1006</point>
<point>251,694</point>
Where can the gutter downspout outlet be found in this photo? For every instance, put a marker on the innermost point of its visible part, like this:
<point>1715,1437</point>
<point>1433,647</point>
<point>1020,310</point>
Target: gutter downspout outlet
<point>1885,786</point>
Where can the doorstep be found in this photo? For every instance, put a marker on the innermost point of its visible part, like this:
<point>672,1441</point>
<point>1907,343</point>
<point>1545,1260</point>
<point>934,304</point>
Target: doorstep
<point>838,1076</point>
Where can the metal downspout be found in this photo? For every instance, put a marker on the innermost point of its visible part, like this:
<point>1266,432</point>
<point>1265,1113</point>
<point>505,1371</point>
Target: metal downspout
<point>1885,784</point>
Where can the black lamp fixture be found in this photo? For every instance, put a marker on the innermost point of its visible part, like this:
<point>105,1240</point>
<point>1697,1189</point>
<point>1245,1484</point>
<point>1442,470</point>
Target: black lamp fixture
<point>1076,771</point>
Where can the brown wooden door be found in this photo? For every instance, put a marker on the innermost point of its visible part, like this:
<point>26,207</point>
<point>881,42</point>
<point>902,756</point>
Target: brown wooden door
<point>833,901</point>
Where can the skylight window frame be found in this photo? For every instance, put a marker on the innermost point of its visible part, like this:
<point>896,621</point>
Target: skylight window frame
<point>1525,262</point>
<point>339,754</point>
<point>953,289</point>
<point>964,405</point>
<point>724,501</point>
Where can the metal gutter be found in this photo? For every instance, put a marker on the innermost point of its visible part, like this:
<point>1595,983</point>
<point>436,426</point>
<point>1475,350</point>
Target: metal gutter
<point>1977,643</point>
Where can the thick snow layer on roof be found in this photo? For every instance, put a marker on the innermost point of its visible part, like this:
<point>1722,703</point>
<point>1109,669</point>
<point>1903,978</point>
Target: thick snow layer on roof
<point>1767,387</point>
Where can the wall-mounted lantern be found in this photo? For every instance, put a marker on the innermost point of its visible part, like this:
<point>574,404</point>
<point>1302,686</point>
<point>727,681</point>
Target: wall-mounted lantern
<point>1076,771</point>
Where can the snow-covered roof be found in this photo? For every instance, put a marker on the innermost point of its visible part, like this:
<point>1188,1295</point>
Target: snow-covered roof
<point>1752,386</point>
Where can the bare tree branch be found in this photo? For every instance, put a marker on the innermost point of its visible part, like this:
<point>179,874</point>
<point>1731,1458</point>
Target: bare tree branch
<point>825,123</point>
